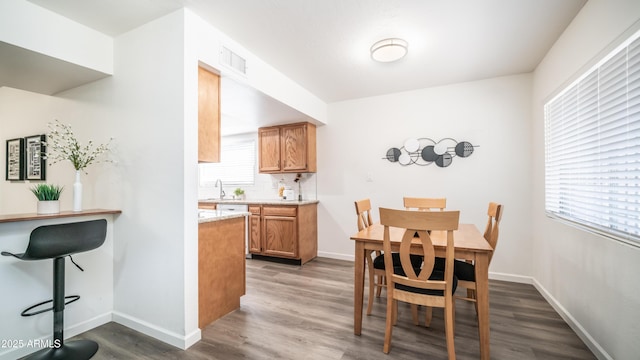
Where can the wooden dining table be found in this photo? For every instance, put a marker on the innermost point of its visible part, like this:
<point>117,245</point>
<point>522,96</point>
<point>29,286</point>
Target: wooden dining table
<point>469,245</point>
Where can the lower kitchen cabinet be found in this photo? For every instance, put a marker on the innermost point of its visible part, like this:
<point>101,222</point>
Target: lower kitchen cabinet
<point>284,231</point>
<point>255,229</point>
<point>221,268</point>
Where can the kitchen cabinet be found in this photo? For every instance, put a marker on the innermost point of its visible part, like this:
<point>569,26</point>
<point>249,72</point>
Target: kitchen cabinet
<point>208,116</point>
<point>255,229</point>
<point>207,205</point>
<point>284,231</point>
<point>287,148</point>
<point>221,268</point>
<point>279,225</point>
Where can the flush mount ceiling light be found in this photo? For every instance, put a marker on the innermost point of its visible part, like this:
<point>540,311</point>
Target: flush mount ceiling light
<point>389,50</point>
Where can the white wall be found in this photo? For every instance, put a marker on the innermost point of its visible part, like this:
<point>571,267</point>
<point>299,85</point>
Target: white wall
<point>494,114</point>
<point>146,101</point>
<point>591,280</point>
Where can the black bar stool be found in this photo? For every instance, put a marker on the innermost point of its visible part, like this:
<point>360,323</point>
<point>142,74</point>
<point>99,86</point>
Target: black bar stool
<point>57,242</point>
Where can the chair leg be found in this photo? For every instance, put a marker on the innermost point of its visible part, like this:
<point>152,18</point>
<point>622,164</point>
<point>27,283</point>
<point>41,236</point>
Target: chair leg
<point>76,350</point>
<point>414,314</point>
<point>475,302</point>
<point>372,286</point>
<point>449,328</point>
<point>380,284</point>
<point>428,316</point>
<point>389,324</point>
<point>395,312</point>
<point>453,313</point>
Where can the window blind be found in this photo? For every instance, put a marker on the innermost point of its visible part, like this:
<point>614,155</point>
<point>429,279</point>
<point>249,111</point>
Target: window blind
<point>237,165</point>
<point>592,147</point>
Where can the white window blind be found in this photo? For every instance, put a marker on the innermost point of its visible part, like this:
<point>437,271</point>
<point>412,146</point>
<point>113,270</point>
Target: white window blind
<point>237,165</point>
<point>592,147</point>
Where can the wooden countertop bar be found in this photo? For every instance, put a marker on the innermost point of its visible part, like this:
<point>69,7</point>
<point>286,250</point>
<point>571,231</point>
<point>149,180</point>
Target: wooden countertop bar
<point>62,214</point>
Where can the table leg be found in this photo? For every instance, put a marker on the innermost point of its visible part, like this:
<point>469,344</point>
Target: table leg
<point>482,298</point>
<point>358,287</point>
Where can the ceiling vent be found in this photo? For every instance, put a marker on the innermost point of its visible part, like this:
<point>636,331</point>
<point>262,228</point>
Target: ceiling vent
<point>234,61</point>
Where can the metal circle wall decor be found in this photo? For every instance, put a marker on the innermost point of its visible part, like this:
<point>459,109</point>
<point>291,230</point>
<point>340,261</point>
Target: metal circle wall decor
<point>425,151</point>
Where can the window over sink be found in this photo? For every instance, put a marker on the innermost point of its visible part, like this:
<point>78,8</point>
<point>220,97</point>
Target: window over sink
<point>237,165</point>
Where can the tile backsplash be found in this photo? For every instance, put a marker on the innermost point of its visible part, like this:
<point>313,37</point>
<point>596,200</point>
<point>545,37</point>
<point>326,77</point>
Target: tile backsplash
<point>266,187</point>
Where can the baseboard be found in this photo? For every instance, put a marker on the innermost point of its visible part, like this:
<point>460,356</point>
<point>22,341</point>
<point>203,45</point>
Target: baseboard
<point>69,332</point>
<point>511,278</point>
<point>171,338</point>
<point>336,256</point>
<point>591,343</point>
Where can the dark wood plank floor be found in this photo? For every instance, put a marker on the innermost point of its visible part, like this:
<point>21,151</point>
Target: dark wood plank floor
<point>293,312</point>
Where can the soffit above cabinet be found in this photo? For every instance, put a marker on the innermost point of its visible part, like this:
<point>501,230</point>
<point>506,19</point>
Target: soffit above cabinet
<point>244,109</point>
<point>32,71</point>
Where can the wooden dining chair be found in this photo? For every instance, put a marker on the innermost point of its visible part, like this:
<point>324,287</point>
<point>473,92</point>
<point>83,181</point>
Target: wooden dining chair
<point>427,286</point>
<point>465,270</point>
<point>376,276</point>
<point>424,204</point>
<point>375,260</point>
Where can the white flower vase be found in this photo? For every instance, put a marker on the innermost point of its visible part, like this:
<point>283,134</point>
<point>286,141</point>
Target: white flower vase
<point>77,193</point>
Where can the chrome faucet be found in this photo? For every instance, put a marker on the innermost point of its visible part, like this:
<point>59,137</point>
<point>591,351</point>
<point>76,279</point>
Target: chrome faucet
<point>219,183</point>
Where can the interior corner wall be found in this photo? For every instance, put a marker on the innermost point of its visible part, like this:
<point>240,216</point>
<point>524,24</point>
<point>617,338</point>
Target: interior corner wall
<point>591,280</point>
<point>493,114</point>
<point>146,98</point>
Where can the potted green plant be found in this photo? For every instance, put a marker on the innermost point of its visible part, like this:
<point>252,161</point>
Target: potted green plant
<point>239,193</point>
<point>48,196</point>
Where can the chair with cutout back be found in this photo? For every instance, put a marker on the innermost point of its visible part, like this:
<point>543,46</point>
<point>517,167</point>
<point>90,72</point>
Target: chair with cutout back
<point>426,286</point>
<point>465,270</point>
<point>375,264</point>
<point>424,204</point>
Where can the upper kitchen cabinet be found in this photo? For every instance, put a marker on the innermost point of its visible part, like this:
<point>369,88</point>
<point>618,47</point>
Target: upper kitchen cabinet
<point>287,148</point>
<point>208,116</point>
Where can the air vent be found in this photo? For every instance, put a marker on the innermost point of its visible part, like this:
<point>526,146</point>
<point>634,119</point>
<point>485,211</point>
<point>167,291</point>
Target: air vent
<point>234,61</point>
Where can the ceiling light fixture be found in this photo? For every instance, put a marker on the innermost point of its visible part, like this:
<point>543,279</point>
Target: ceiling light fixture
<point>389,50</point>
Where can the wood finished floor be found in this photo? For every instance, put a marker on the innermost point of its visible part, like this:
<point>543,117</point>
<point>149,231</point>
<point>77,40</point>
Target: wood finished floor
<point>293,312</point>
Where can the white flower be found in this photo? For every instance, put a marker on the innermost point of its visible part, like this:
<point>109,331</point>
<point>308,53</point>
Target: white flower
<point>62,145</point>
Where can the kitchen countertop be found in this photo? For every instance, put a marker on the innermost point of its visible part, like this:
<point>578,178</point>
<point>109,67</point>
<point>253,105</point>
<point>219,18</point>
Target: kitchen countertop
<point>259,202</point>
<point>205,215</point>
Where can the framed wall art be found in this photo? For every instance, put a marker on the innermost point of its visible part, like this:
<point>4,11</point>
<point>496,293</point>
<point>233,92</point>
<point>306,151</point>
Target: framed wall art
<point>15,159</point>
<point>35,168</point>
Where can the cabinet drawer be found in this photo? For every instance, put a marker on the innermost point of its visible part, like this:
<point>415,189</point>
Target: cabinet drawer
<point>254,209</point>
<point>206,205</point>
<point>279,210</point>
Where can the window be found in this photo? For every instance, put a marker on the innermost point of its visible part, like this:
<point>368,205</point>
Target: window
<point>592,148</point>
<point>237,165</point>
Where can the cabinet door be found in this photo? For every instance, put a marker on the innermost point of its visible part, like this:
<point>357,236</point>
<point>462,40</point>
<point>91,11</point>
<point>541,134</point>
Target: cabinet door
<point>254,234</point>
<point>208,116</point>
<point>294,148</point>
<point>269,149</point>
<point>280,236</point>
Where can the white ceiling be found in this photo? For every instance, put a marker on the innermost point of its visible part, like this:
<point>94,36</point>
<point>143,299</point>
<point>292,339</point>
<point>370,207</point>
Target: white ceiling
<point>324,44</point>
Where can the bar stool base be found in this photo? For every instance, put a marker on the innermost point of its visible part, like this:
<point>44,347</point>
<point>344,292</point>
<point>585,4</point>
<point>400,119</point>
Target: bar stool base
<point>71,350</point>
